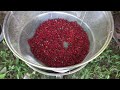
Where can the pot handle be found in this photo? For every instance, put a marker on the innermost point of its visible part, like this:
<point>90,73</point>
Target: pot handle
<point>1,33</point>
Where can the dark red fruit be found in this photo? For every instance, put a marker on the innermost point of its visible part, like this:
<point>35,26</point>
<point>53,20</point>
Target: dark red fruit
<point>59,43</point>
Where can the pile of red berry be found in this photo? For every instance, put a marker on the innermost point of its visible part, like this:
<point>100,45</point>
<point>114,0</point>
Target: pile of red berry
<point>59,43</point>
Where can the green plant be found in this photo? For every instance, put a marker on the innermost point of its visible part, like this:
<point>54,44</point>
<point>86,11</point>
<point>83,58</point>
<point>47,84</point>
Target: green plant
<point>106,66</point>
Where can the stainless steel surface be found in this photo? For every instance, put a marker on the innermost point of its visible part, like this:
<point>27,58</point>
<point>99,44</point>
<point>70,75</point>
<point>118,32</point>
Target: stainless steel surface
<point>20,25</point>
<point>57,74</point>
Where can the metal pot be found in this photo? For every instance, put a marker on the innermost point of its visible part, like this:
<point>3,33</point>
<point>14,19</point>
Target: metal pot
<point>20,25</point>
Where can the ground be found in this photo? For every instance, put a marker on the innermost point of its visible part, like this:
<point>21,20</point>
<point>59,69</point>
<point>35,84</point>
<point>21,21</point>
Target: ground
<point>106,66</point>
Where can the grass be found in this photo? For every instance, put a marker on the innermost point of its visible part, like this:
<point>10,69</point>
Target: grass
<point>106,66</point>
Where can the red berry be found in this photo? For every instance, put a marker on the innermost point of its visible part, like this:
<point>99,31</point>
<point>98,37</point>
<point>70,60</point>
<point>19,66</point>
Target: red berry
<point>59,43</point>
